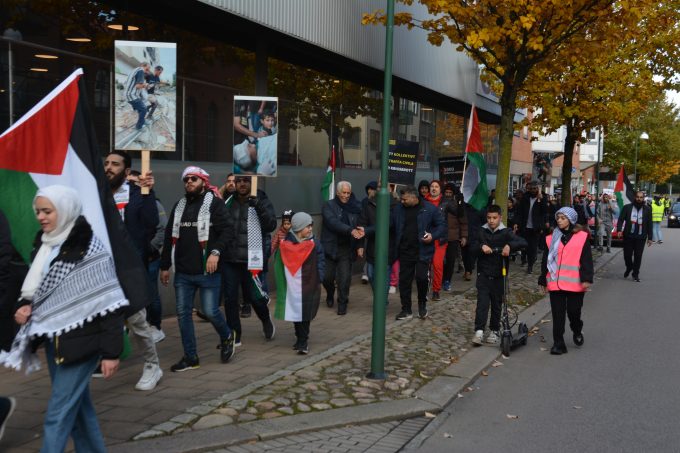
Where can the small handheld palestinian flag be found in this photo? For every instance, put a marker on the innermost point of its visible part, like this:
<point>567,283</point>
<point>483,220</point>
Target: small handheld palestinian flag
<point>298,288</point>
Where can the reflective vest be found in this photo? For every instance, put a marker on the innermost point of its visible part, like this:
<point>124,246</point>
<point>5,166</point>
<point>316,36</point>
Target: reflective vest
<point>657,212</point>
<point>568,264</point>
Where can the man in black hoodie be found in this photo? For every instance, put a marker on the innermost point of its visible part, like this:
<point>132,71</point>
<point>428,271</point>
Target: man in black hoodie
<point>195,239</point>
<point>637,217</point>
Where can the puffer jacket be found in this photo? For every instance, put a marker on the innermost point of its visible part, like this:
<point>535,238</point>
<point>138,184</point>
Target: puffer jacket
<point>237,222</point>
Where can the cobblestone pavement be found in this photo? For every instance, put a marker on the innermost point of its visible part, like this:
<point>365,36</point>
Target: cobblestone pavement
<point>375,438</point>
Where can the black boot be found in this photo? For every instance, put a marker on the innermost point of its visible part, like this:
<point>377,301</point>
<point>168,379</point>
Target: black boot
<point>558,349</point>
<point>578,339</point>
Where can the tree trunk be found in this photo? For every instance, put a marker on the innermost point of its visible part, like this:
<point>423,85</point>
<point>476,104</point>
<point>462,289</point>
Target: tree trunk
<point>569,143</point>
<point>508,102</point>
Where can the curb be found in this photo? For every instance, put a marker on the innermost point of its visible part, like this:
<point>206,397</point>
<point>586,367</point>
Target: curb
<point>433,397</point>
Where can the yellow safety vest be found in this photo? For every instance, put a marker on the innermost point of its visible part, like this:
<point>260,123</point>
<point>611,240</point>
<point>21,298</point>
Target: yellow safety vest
<point>657,212</point>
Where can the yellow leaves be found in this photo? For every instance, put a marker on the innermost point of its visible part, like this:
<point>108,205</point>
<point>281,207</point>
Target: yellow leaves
<point>527,22</point>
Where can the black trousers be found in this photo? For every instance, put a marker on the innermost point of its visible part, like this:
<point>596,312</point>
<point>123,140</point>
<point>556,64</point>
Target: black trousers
<point>235,275</point>
<point>469,258</point>
<point>452,253</point>
<point>407,270</point>
<point>338,270</point>
<point>565,303</point>
<point>632,254</point>
<point>302,330</point>
<point>489,295</point>
<point>532,237</point>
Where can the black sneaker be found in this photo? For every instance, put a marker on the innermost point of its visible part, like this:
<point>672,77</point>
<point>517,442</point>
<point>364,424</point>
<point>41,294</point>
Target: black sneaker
<point>227,349</point>
<point>578,339</point>
<point>436,296</point>
<point>185,364</point>
<point>237,339</point>
<point>422,311</point>
<point>342,309</point>
<point>268,328</point>
<point>404,315</point>
<point>7,406</point>
<point>329,303</point>
<point>296,346</point>
<point>97,374</point>
<point>245,311</point>
<point>303,348</point>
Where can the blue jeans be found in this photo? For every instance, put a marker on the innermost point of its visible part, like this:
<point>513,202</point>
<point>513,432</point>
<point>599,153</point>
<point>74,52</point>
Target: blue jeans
<point>70,411</point>
<point>370,273</point>
<point>139,106</point>
<point>185,291</point>
<point>656,231</point>
<point>154,312</point>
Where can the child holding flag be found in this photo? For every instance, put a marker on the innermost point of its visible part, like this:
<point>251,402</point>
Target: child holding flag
<point>299,269</point>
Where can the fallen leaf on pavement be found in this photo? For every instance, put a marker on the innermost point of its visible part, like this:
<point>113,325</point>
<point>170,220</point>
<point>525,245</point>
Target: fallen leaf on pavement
<point>496,364</point>
<point>484,373</point>
<point>429,415</point>
<point>542,339</point>
<point>544,349</point>
<point>578,407</point>
<point>513,417</point>
<point>543,321</point>
<point>460,395</point>
<point>469,389</point>
<point>447,435</point>
<point>424,376</point>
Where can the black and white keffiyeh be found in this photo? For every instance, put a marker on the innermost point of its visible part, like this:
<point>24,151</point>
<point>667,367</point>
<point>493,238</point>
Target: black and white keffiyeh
<point>202,223</point>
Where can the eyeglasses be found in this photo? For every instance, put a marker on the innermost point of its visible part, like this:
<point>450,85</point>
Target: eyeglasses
<point>190,178</point>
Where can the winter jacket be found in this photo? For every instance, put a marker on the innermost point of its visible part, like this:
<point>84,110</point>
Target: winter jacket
<point>334,228</point>
<point>367,219</point>
<point>539,213</point>
<point>586,268</point>
<point>141,219</point>
<point>189,256</point>
<point>13,270</point>
<point>457,226</point>
<point>430,220</point>
<point>156,244</point>
<point>626,226</point>
<point>237,224</point>
<point>104,331</point>
<point>492,265</point>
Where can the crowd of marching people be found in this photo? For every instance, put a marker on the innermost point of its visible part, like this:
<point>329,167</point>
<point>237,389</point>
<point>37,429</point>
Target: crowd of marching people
<point>223,243</point>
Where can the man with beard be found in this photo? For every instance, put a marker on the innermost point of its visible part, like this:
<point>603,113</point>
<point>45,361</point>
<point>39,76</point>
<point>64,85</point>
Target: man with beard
<point>250,230</point>
<point>637,217</point>
<point>229,187</point>
<point>532,221</point>
<point>195,241</point>
<point>140,216</point>
<point>338,235</point>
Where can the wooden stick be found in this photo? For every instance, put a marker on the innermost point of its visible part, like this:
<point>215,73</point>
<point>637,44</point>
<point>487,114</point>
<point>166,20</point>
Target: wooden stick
<point>146,163</point>
<point>253,186</point>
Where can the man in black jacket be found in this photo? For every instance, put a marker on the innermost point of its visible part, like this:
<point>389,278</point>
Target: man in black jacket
<point>240,250</point>
<point>637,217</point>
<point>195,239</point>
<point>532,221</point>
<point>13,269</point>
<point>493,245</point>
<point>338,235</point>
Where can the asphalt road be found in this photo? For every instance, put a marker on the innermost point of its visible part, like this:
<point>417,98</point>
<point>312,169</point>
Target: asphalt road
<point>620,392</point>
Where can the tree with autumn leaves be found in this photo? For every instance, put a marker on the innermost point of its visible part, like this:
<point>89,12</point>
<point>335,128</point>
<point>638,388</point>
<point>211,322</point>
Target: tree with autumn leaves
<point>513,39</point>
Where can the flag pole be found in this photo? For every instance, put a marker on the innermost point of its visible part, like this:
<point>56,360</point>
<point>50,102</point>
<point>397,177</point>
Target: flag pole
<point>382,216</point>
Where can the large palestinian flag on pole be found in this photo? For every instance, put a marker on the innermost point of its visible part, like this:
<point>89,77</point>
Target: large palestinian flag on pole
<point>475,190</point>
<point>54,143</point>
<point>328,185</point>
<point>623,190</point>
<point>298,289</point>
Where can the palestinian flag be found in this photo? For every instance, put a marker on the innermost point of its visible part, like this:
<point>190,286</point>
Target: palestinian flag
<point>328,185</point>
<point>298,289</point>
<point>54,143</point>
<point>625,194</point>
<point>475,190</point>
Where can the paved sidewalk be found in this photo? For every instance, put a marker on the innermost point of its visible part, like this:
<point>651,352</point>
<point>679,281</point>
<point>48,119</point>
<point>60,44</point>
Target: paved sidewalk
<point>267,380</point>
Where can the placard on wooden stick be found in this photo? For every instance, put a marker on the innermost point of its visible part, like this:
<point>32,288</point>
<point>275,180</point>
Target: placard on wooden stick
<point>146,166</point>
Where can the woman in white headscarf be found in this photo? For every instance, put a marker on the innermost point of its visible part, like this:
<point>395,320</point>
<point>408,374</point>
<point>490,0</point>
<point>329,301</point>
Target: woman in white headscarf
<point>70,301</point>
<point>567,273</point>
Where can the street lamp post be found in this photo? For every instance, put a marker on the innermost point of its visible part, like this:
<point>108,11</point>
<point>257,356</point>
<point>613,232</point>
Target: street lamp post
<point>642,136</point>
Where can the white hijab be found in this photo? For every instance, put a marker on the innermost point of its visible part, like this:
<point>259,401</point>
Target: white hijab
<point>68,206</point>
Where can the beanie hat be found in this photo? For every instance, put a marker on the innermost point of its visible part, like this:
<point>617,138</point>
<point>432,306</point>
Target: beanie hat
<point>569,213</point>
<point>372,185</point>
<point>300,220</point>
<point>422,183</point>
<point>287,214</point>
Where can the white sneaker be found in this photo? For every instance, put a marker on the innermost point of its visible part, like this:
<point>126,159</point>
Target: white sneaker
<point>478,338</point>
<point>393,290</point>
<point>150,377</point>
<point>493,337</point>
<point>364,279</point>
<point>157,335</point>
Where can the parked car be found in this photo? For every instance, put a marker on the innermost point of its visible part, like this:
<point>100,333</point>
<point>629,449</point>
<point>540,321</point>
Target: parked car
<point>674,216</point>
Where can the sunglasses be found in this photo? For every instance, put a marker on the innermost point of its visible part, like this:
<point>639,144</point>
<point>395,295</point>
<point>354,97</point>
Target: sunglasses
<point>190,178</point>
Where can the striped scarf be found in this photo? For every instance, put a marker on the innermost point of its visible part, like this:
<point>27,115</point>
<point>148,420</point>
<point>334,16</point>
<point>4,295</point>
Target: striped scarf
<point>202,223</point>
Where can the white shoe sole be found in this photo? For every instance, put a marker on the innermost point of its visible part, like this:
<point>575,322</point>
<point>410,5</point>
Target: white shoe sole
<point>12,406</point>
<point>146,386</point>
